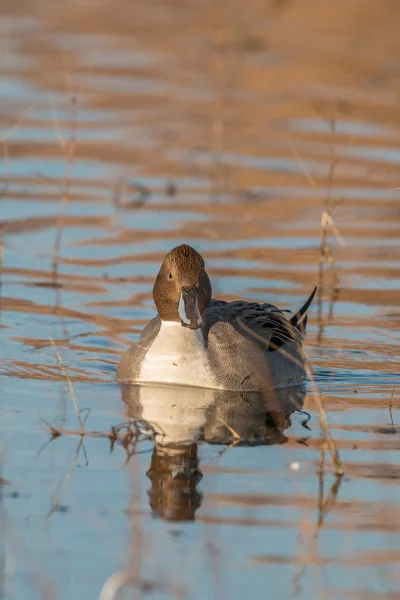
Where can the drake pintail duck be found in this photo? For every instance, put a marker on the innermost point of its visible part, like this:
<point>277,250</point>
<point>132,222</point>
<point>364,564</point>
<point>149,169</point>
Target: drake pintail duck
<point>198,341</point>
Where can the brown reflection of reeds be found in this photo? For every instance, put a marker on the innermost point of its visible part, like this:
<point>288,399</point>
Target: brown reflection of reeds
<point>346,444</point>
<point>364,559</point>
<point>32,224</point>
<point>378,526</point>
<point>108,323</point>
<point>71,281</point>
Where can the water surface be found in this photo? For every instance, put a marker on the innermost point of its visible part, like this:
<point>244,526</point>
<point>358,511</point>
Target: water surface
<point>130,128</point>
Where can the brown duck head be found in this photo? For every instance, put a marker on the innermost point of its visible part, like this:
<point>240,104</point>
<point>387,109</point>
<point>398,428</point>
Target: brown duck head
<point>182,289</point>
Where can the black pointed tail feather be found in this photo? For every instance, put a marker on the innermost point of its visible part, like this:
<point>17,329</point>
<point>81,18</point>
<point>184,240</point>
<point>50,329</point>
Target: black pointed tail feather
<point>299,320</point>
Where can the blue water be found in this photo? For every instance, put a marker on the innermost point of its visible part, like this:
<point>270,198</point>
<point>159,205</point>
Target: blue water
<point>152,84</point>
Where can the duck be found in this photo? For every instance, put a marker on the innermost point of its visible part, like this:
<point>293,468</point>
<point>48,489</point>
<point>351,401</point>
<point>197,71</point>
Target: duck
<point>198,341</point>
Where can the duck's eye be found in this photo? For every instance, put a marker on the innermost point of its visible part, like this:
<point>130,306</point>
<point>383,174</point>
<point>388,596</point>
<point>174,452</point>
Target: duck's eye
<point>170,276</point>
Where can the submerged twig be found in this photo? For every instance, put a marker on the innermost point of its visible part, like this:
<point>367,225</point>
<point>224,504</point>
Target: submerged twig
<point>127,434</point>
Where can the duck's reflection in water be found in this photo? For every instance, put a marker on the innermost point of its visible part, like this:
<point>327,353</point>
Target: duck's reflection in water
<point>181,417</point>
<point>174,474</point>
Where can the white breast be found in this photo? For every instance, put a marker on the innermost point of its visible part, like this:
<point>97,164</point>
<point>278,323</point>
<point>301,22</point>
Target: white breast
<point>178,356</point>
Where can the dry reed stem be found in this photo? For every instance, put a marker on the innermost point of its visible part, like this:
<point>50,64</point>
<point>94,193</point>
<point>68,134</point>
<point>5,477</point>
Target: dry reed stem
<point>229,428</point>
<point>69,148</point>
<point>325,250</point>
<point>324,423</point>
<point>70,386</point>
<point>233,443</point>
<point>326,505</point>
<point>127,434</point>
<point>316,396</point>
<point>327,256</point>
<point>326,221</point>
